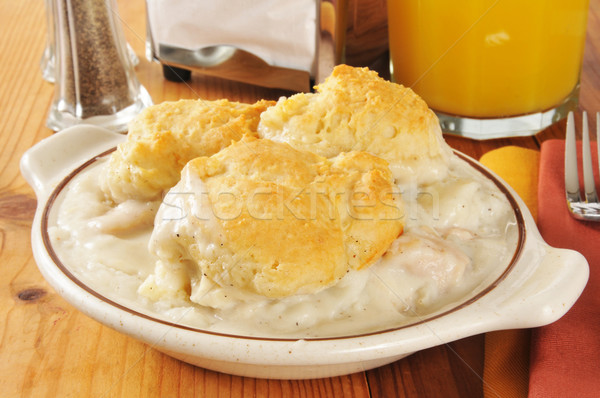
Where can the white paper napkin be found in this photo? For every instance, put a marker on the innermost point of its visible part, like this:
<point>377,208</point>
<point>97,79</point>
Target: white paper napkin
<point>281,32</point>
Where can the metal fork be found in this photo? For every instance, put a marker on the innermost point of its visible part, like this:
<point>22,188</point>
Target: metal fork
<point>588,207</point>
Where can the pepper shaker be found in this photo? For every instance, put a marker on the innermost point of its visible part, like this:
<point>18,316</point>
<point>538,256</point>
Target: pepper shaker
<point>95,81</point>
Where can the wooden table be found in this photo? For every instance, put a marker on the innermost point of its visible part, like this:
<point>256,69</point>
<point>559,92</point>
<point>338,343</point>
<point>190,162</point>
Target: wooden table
<point>47,348</point>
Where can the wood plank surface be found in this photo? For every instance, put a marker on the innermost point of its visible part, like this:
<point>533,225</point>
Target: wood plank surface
<point>48,349</point>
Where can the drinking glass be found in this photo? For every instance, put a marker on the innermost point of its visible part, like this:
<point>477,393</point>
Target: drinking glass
<point>490,68</point>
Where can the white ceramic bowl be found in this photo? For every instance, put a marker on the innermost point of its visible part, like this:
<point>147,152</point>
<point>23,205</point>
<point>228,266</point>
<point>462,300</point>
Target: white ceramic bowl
<point>538,287</point>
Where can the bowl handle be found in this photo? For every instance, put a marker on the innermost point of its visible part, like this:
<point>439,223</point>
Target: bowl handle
<point>542,295</point>
<point>51,159</point>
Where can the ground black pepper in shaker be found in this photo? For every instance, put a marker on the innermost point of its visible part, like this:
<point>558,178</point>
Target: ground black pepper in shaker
<point>94,77</point>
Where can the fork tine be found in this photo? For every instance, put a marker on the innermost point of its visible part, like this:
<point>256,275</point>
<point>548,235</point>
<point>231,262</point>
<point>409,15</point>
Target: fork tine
<point>588,174</point>
<point>571,175</point>
<point>598,139</point>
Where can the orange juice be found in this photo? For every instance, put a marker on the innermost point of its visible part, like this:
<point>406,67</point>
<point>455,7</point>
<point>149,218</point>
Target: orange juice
<point>488,58</point>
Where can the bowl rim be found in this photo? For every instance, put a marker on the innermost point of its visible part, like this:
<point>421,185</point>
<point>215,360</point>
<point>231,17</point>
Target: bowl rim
<point>519,247</point>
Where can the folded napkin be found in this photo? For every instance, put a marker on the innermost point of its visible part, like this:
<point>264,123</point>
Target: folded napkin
<point>565,355</point>
<point>506,363</point>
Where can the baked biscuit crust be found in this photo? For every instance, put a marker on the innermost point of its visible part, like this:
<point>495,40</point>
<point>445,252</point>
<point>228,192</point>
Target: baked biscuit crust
<point>164,137</point>
<point>354,109</point>
<point>281,221</point>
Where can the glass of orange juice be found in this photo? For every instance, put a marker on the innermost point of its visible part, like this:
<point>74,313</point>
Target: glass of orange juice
<point>490,68</point>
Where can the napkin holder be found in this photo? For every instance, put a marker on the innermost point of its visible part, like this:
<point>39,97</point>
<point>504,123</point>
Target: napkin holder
<point>186,42</point>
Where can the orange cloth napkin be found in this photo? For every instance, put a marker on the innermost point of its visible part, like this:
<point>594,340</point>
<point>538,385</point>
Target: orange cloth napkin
<point>506,363</point>
<point>565,355</point>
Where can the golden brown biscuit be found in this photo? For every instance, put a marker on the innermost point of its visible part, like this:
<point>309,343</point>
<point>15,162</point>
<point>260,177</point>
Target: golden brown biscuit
<point>266,218</point>
<point>164,137</point>
<point>354,109</point>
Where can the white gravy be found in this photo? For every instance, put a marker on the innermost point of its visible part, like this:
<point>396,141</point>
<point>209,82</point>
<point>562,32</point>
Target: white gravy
<point>460,235</point>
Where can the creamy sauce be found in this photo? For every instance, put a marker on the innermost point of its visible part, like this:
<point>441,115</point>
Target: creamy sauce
<point>460,235</point>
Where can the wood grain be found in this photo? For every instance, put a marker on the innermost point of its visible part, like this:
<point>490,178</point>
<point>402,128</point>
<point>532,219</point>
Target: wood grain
<point>48,349</point>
